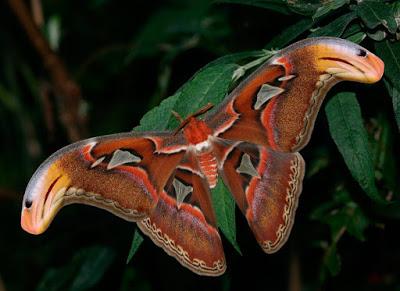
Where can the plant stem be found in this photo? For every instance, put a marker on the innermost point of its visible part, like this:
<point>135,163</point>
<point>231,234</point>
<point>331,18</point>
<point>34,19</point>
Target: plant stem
<point>65,88</point>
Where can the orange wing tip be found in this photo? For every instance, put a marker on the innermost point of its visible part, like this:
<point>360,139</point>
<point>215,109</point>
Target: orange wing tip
<point>43,198</point>
<point>347,61</point>
<point>36,218</point>
<point>378,68</point>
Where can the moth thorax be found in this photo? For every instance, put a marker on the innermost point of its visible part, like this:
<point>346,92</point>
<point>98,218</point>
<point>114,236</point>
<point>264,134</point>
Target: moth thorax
<point>202,147</point>
<point>196,131</point>
<point>208,166</point>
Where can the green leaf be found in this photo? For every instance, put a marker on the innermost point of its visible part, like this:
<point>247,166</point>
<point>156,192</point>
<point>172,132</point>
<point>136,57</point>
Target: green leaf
<point>395,94</point>
<point>382,143</point>
<point>329,6</point>
<point>290,33</point>
<point>336,27</point>
<point>209,85</point>
<point>348,132</point>
<point>159,117</point>
<point>303,7</point>
<point>236,57</point>
<point>178,27</point>
<point>240,71</point>
<point>96,261</point>
<point>396,11</point>
<point>351,218</point>
<point>378,35</point>
<point>354,32</point>
<point>390,54</point>
<point>374,13</point>
<point>342,214</point>
<point>8,100</point>
<point>136,242</point>
<point>84,271</point>
<point>322,211</point>
<point>320,160</point>
<point>332,260</point>
<point>275,5</point>
<point>224,206</point>
<point>353,28</point>
<point>357,37</point>
<point>357,222</point>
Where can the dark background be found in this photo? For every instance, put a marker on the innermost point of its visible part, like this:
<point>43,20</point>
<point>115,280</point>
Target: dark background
<point>127,56</point>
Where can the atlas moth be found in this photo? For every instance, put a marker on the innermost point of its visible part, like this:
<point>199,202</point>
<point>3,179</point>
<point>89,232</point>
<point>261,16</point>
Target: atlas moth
<point>162,180</point>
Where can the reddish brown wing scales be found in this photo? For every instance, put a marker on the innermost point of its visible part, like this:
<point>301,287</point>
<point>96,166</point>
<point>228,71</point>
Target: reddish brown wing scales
<point>289,118</point>
<point>283,119</point>
<point>200,197</point>
<point>266,186</point>
<point>158,166</point>
<point>128,189</point>
<point>124,195</point>
<point>185,236</point>
<point>185,227</point>
<point>237,119</point>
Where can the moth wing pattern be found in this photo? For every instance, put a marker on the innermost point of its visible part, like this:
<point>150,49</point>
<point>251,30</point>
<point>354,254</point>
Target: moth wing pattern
<point>276,106</point>
<point>121,173</point>
<point>266,186</point>
<point>183,222</point>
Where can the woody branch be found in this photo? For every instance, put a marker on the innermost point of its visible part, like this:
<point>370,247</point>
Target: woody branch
<point>66,89</point>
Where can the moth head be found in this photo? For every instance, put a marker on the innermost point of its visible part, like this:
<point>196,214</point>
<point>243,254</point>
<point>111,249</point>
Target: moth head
<point>346,60</point>
<point>44,197</point>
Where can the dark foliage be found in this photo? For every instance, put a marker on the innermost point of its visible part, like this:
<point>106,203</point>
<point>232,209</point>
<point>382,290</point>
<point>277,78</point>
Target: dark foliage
<point>126,57</point>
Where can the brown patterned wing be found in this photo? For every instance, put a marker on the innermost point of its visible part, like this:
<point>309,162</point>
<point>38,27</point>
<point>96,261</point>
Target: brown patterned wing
<point>277,105</point>
<point>183,222</point>
<point>121,173</point>
<point>266,186</point>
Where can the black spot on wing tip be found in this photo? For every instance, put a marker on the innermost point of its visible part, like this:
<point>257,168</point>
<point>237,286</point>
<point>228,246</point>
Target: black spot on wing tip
<point>362,53</point>
<point>28,203</point>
